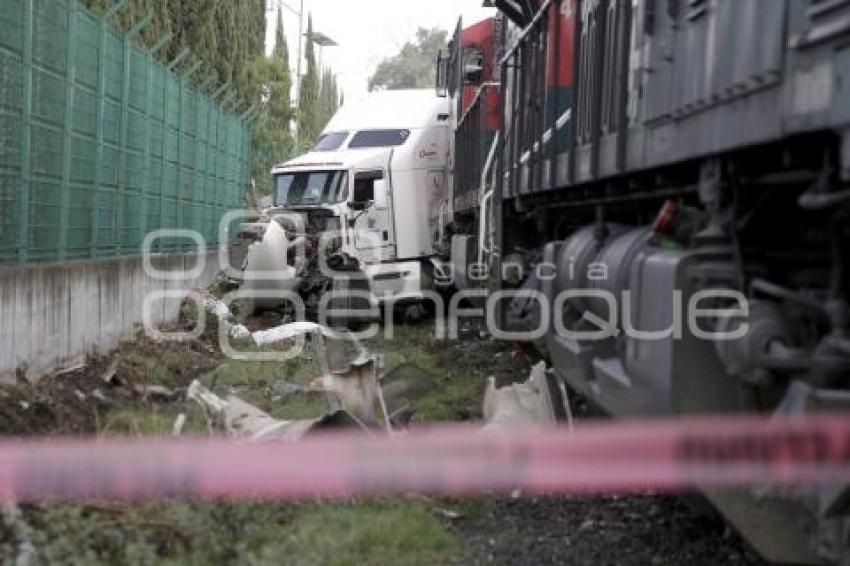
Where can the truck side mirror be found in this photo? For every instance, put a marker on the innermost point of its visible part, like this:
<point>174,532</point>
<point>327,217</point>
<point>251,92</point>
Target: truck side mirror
<point>357,206</point>
<point>380,193</point>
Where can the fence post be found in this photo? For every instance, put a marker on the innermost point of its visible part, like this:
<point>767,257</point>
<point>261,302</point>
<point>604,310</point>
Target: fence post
<point>98,159</point>
<point>26,115</point>
<point>159,45</point>
<point>101,102</point>
<point>143,227</point>
<point>162,161</point>
<point>180,205</point>
<point>210,230</point>
<point>70,78</point>
<point>122,151</point>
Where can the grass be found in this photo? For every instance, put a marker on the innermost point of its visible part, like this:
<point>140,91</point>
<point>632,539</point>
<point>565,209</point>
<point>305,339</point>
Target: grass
<point>376,533</point>
<point>153,421</point>
<point>448,383</point>
<point>400,533</point>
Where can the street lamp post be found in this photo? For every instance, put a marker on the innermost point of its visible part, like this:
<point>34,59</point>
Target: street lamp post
<point>322,41</point>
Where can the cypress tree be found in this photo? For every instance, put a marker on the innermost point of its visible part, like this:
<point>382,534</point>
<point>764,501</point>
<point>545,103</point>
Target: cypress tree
<point>228,36</point>
<point>329,98</point>
<point>281,53</point>
<point>273,143</point>
<point>308,100</point>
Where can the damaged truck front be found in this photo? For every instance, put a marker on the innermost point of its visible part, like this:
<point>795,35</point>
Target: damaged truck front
<point>360,212</point>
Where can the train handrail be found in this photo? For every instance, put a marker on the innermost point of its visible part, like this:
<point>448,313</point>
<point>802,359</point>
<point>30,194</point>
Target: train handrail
<point>509,52</point>
<point>476,99</point>
<point>486,196</point>
<point>560,124</point>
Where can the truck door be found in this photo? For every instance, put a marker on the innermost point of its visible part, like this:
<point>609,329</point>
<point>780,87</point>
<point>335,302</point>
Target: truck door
<point>374,233</point>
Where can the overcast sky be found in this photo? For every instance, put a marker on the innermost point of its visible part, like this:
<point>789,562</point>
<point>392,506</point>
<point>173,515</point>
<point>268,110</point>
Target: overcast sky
<point>369,30</point>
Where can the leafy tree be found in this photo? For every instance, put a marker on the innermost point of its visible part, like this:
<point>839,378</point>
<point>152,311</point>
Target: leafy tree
<point>414,66</point>
<point>223,34</point>
<point>229,38</point>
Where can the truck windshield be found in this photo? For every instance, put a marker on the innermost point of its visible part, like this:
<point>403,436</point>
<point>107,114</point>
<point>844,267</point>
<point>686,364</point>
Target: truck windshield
<point>311,188</point>
<point>379,138</point>
<point>331,141</point>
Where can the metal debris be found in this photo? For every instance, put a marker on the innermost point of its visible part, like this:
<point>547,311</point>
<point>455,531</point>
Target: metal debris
<point>348,377</point>
<point>288,332</point>
<point>179,424</point>
<point>221,311</point>
<point>155,392</point>
<point>520,405</point>
<point>109,375</point>
<point>357,391</point>
<point>247,421</point>
<point>216,307</point>
<point>240,332</point>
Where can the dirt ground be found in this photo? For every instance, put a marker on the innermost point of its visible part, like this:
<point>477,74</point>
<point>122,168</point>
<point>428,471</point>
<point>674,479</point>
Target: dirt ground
<point>140,390</point>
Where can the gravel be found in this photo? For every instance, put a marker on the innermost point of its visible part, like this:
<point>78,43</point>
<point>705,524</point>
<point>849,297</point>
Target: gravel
<point>639,530</point>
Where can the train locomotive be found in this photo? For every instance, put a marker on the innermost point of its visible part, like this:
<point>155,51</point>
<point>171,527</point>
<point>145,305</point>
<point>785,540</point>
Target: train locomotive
<point>663,187</point>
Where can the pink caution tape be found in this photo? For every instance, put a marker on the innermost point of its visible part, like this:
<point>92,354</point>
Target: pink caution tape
<point>623,456</point>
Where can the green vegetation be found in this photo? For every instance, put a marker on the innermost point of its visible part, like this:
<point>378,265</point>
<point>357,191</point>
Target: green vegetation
<point>273,139</point>
<point>414,65</point>
<point>374,533</point>
<point>447,381</point>
<point>228,37</point>
<point>309,118</point>
<point>370,533</point>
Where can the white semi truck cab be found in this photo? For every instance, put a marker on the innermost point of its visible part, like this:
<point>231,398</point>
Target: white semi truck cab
<point>369,198</point>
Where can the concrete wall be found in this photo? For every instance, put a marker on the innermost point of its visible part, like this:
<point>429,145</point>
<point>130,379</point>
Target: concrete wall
<point>53,316</point>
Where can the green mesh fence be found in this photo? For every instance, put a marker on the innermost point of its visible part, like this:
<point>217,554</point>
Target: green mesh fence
<point>100,144</point>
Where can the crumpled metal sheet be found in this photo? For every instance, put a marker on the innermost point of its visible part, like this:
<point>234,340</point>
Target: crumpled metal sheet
<point>520,405</point>
<point>349,378</point>
<point>357,391</point>
<point>288,332</point>
<point>244,420</point>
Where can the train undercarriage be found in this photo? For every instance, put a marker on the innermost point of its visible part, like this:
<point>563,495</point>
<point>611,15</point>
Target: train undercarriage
<point>669,256</point>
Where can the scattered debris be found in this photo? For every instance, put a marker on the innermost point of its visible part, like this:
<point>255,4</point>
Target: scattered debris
<point>179,423</point>
<point>26,552</point>
<point>245,420</point>
<point>356,391</point>
<point>217,307</point>
<point>157,393</point>
<point>289,332</point>
<point>447,514</point>
<point>70,369</point>
<point>522,404</point>
<point>349,379</point>
<point>240,332</point>
<point>109,375</point>
<point>220,310</point>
